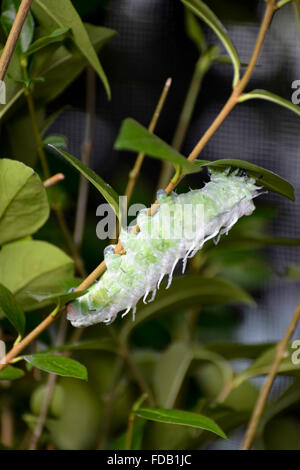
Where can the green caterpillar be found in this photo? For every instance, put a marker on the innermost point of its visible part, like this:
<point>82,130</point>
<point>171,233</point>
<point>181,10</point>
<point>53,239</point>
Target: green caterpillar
<point>154,251</point>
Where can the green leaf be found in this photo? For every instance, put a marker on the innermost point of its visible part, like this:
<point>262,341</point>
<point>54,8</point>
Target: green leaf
<point>134,136</point>
<point>24,204</point>
<point>56,36</point>
<point>264,177</point>
<point>231,350</point>
<point>33,266</point>
<point>194,30</point>
<point>183,418</point>
<point>14,90</point>
<point>58,365</point>
<point>11,373</point>
<point>282,433</point>
<point>101,344</point>
<point>11,310</point>
<point>173,365</point>
<point>61,297</point>
<point>169,373</point>
<point>105,189</point>
<point>188,291</point>
<point>54,14</point>
<point>262,364</point>
<point>18,132</point>
<point>8,15</point>
<point>56,140</point>
<point>286,400</point>
<point>56,402</point>
<point>293,272</point>
<point>204,12</point>
<point>267,95</point>
<point>64,65</point>
<point>11,97</point>
<point>282,3</point>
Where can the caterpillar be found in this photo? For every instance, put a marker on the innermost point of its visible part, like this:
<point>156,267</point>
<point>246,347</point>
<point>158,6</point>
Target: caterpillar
<point>154,251</point>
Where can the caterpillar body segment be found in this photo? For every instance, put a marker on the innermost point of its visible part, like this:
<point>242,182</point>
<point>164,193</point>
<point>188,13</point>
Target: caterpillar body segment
<point>180,227</point>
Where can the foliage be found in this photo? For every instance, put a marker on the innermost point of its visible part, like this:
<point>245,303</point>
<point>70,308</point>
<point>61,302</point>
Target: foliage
<point>167,352</point>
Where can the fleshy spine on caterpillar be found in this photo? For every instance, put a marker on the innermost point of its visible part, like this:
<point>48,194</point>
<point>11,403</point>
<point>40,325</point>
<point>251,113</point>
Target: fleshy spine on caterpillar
<point>155,250</point>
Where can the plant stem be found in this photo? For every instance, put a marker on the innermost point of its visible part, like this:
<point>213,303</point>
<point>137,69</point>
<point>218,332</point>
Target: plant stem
<point>281,350</point>
<point>51,382</point>
<point>109,405</point>
<point>7,423</point>
<point>36,132</point>
<point>136,374</point>
<point>131,420</point>
<point>185,117</point>
<point>134,370</point>
<point>53,180</point>
<point>13,37</point>
<point>86,152</point>
<point>58,212</point>
<point>134,173</point>
<point>35,437</point>
<point>129,433</point>
<point>18,348</point>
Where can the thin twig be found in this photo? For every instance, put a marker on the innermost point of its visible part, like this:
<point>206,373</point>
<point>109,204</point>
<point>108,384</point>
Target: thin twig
<point>35,437</point>
<point>134,173</point>
<point>104,433</point>
<point>50,386</point>
<point>7,423</point>
<point>184,119</point>
<point>86,152</point>
<point>53,180</point>
<point>281,350</point>
<point>13,37</point>
<point>134,370</point>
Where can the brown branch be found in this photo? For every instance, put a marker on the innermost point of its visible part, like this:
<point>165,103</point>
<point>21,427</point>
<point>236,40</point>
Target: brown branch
<point>134,173</point>
<point>281,350</point>
<point>13,37</point>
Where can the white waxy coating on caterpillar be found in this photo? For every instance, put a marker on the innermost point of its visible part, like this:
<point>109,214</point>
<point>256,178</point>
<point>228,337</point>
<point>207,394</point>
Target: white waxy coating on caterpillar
<point>154,251</point>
